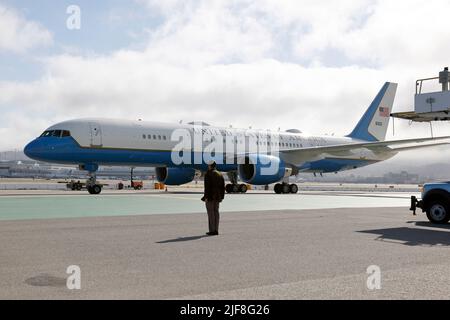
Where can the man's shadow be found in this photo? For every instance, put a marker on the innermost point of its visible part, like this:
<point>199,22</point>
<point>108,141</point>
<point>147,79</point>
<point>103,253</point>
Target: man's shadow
<point>183,239</point>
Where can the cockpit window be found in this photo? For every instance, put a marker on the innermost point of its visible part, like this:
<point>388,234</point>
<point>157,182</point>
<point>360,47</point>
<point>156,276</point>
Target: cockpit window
<point>55,133</point>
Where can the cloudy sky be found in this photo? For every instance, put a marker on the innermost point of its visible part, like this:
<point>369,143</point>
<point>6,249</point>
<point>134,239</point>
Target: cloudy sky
<point>314,65</point>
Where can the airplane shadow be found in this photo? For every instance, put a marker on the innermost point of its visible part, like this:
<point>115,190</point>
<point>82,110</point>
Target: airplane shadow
<point>182,239</point>
<point>413,236</point>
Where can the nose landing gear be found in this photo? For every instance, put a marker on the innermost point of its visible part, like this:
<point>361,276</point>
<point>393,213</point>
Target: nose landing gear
<point>91,184</point>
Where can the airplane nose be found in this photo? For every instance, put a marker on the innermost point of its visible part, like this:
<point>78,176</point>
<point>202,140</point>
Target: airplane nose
<point>30,150</point>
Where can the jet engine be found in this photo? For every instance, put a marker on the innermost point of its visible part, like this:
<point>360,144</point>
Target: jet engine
<point>175,176</point>
<point>263,169</point>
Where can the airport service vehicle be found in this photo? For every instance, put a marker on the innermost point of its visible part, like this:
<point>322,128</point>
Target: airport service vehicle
<point>429,107</point>
<point>78,186</point>
<point>75,185</point>
<point>435,202</point>
<point>137,185</point>
<point>180,152</point>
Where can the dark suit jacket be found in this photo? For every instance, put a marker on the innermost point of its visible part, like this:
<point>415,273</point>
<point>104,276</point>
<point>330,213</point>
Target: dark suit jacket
<point>214,186</point>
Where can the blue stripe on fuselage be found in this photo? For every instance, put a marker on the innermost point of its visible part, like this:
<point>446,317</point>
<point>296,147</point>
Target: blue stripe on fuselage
<point>67,151</point>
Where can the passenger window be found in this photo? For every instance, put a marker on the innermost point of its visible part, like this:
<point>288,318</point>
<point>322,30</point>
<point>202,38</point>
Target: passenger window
<point>144,136</point>
<point>154,137</point>
<point>164,137</point>
<point>159,137</point>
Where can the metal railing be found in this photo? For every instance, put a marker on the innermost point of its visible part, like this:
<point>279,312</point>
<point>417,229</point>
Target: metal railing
<point>419,84</point>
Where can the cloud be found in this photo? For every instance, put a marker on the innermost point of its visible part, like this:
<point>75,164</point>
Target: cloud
<point>19,35</point>
<point>312,65</point>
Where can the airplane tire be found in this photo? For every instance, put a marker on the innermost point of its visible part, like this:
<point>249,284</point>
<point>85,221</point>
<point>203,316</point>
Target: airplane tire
<point>228,188</point>
<point>277,188</point>
<point>243,188</point>
<point>95,189</point>
<point>285,188</point>
<point>235,188</point>
<point>293,188</point>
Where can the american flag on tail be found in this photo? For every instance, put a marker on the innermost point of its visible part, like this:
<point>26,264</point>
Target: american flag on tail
<point>384,112</point>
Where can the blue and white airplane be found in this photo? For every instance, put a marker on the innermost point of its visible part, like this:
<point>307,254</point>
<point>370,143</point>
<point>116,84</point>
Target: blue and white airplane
<point>245,155</point>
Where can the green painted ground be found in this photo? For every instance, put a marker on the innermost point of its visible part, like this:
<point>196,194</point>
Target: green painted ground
<point>71,206</point>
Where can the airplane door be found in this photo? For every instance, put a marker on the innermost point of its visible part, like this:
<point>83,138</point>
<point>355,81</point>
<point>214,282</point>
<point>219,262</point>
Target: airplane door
<point>96,134</point>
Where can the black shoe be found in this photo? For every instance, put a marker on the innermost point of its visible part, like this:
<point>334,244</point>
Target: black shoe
<point>210,233</point>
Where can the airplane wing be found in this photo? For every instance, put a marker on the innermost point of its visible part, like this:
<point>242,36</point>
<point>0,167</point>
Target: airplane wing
<point>419,146</point>
<point>313,152</point>
<point>307,154</point>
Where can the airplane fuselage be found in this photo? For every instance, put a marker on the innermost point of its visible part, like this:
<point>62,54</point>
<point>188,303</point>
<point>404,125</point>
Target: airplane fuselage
<point>141,143</point>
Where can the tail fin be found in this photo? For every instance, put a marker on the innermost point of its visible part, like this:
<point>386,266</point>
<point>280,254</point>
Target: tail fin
<point>374,123</point>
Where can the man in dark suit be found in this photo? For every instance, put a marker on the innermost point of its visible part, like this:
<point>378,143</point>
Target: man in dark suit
<point>213,195</point>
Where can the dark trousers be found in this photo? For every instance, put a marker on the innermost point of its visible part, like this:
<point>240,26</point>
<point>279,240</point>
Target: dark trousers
<point>212,208</point>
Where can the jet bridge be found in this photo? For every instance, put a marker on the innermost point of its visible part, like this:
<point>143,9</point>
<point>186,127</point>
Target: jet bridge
<point>430,106</point>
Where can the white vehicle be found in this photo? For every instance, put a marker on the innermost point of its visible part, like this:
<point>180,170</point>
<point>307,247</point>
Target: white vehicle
<point>255,157</point>
<point>435,202</point>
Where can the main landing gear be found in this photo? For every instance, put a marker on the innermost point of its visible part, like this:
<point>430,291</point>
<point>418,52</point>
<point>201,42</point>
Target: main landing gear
<point>285,188</point>
<point>236,188</point>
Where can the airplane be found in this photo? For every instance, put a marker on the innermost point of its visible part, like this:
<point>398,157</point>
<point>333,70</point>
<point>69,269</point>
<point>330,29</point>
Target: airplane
<point>255,157</point>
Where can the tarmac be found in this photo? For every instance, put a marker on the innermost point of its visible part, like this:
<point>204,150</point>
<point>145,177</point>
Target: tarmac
<point>47,204</point>
<point>303,253</point>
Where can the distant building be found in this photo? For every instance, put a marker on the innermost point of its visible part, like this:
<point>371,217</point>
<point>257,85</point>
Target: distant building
<point>4,171</point>
<point>401,178</point>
